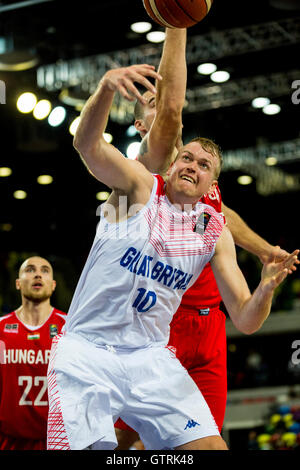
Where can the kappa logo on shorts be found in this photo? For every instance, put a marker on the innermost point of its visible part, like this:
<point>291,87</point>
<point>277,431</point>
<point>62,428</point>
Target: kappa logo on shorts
<point>191,424</point>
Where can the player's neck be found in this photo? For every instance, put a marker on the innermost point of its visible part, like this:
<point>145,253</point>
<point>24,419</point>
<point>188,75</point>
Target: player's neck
<point>34,314</point>
<point>180,201</point>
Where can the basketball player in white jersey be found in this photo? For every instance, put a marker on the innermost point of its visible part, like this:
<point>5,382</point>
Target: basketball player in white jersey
<point>151,244</point>
<point>158,134</point>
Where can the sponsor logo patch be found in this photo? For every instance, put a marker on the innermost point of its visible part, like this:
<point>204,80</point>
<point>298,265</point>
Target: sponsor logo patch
<point>11,328</point>
<point>204,311</point>
<point>201,223</point>
<point>53,330</point>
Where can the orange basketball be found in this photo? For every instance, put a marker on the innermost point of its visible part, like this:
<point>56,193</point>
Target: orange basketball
<point>177,13</point>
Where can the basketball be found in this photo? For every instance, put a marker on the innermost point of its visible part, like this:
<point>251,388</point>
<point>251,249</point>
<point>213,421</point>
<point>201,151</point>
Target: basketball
<point>177,13</point>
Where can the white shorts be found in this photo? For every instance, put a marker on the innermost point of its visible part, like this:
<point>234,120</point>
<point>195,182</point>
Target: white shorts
<point>90,387</point>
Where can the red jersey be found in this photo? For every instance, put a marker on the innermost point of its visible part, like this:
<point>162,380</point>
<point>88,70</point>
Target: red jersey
<point>24,357</point>
<point>204,292</point>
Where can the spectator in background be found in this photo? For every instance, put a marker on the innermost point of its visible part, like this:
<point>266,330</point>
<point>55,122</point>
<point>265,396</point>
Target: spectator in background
<point>25,341</point>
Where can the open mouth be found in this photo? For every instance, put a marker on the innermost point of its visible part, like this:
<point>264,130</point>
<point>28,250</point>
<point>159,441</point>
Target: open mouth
<point>188,178</point>
<point>37,285</point>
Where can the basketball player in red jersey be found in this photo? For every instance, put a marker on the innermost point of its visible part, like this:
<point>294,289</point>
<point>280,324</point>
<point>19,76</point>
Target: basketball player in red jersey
<point>25,342</point>
<point>198,327</point>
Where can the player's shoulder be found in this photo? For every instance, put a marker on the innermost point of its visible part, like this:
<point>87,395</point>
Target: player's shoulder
<point>214,198</point>
<point>56,311</point>
<point>160,184</point>
<point>59,314</point>
<point>9,323</point>
<point>6,318</point>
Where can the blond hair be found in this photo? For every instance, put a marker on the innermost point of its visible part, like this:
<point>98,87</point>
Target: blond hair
<point>211,147</point>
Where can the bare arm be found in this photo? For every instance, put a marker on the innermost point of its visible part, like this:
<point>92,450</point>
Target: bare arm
<point>103,160</point>
<point>158,148</point>
<point>246,238</point>
<point>248,312</point>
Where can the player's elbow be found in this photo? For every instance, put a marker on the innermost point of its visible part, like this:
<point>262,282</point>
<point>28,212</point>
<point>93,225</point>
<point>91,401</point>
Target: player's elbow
<point>247,327</point>
<point>88,151</point>
<point>80,144</point>
<point>249,330</point>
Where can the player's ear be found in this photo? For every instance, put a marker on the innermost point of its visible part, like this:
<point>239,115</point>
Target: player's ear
<point>53,285</point>
<point>18,284</point>
<point>212,187</point>
<point>140,127</point>
<point>170,169</point>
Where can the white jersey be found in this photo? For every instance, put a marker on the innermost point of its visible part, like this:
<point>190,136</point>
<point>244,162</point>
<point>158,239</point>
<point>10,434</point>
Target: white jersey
<point>138,270</point>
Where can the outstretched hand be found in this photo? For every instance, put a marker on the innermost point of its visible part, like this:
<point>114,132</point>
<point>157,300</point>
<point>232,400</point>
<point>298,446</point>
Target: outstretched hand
<point>274,271</point>
<point>122,80</point>
<point>274,252</point>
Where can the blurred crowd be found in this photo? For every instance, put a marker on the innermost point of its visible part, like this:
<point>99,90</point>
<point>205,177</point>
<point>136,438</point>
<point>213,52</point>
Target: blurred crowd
<point>281,431</point>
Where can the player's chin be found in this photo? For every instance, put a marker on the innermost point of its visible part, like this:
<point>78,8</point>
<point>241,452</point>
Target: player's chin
<point>38,296</point>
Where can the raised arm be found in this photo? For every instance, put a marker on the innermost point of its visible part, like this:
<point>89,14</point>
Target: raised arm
<point>246,238</point>
<point>158,148</point>
<point>248,312</point>
<point>103,160</point>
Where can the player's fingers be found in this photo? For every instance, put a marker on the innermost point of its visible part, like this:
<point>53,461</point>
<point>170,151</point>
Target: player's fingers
<point>292,259</point>
<point>122,89</point>
<point>142,81</point>
<point>149,70</point>
<point>133,92</point>
<point>289,261</point>
<point>142,71</point>
<point>147,66</point>
<point>153,74</point>
<point>282,276</point>
<point>276,280</point>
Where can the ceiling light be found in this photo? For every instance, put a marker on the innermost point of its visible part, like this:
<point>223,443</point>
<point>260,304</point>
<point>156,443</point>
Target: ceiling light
<point>19,194</point>
<point>108,137</point>
<point>57,116</point>
<point>220,76</point>
<point>42,109</point>
<point>74,125</point>
<point>206,69</point>
<point>131,131</point>
<point>271,109</point>
<point>244,180</point>
<point>5,171</point>
<point>102,195</point>
<point>260,102</point>
<point>26,102</point>
<point>156,36</point>
<point>271,161</point>
<point>45,179</point>
<point>133,150</point>
<point>141,27</point>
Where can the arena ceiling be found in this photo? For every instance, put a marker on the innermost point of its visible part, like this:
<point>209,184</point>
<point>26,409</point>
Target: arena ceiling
<point>257,42</point>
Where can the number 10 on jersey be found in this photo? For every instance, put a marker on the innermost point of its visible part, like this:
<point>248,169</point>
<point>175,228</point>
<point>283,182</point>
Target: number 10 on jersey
<point>144,300</point>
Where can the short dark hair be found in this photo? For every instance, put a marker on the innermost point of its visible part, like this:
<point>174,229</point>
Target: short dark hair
<point>138,110</point>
